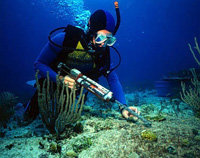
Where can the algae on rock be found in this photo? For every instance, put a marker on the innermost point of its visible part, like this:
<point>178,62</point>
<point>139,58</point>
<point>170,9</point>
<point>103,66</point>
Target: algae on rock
<point>148,135</point>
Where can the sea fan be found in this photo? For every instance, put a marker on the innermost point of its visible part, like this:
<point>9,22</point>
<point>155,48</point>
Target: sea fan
<point>191,95</point>
<point>7,102</point>
<point>58,106</point>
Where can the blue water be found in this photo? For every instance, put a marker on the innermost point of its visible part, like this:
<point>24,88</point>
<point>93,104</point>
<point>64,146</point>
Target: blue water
<point>152,38</point>
<point>153,41</point>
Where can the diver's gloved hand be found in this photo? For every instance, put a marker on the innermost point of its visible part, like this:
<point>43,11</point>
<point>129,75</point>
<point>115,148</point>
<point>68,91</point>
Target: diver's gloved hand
<point>67,80</point>
<point>127,114</point>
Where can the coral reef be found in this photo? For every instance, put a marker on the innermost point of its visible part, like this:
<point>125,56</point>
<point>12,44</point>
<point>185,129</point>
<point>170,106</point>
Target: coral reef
<point>148,108</point>
<point>148,135</point>
<point>191,95</point>
<point>57,106</point>
<point>157,117</point>
<point>81,144</point>
<point>95,136</point>
<point>7,102</point>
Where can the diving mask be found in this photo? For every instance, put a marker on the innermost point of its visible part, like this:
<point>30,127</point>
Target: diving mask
<point>106,38</point>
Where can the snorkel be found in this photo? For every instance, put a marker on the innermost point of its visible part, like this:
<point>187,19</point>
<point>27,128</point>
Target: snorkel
<point>115,31</point>
<point>118,17</point>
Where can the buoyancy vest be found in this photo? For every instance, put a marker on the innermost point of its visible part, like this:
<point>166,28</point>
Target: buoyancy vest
<point>90,65</point>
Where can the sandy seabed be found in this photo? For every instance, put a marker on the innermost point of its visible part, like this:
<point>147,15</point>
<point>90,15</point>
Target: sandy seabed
<point>105,134</point>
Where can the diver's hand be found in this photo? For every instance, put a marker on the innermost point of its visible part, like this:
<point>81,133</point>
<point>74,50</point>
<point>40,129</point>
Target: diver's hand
<point>68,81</point>
<point>128,115</point>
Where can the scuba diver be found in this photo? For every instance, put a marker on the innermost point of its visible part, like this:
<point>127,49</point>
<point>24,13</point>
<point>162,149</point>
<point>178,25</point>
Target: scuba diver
<point>88,52</point>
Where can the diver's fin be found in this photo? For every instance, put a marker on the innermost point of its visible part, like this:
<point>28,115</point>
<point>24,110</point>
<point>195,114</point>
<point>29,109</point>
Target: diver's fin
<point>31,83</point>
